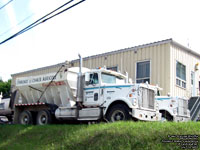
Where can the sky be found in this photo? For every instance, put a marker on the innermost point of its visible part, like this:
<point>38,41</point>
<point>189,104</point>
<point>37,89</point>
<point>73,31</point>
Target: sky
<point>92,27</point>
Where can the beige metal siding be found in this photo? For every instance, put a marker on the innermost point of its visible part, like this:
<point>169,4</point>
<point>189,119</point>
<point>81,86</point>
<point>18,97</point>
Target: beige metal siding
<point>189,60</point>
<point>158,55</point>
<point>162,56</point>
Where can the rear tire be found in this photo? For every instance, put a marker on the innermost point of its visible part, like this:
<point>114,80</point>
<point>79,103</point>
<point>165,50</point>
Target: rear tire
<point>43,117</point>
<point>26,118</point>
<point>118,112</point>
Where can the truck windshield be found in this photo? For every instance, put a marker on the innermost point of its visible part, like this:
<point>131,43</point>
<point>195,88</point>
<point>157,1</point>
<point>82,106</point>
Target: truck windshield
<point>111,79</point>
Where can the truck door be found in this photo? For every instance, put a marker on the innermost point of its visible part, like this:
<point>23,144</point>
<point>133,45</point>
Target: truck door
<point>92,91</point>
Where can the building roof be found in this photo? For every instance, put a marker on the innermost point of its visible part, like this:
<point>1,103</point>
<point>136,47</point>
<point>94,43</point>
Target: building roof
<point>135,48</point>
<point>38,69</point>
<point>185,48</point>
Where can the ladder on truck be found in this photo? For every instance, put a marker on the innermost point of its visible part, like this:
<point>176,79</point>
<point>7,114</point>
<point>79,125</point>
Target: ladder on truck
<point>194,107</point>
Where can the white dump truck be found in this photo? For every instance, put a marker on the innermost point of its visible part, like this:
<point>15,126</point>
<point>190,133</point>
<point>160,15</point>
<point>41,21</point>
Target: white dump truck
<point>79,93</point>
<point>173,108</point>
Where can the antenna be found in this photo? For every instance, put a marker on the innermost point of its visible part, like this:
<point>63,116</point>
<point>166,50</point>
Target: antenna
<point>188,43</point>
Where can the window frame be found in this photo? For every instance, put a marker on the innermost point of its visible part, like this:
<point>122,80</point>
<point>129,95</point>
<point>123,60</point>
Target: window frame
<point>91,82</point>
<point>179,81</point>
<point>136,79</point>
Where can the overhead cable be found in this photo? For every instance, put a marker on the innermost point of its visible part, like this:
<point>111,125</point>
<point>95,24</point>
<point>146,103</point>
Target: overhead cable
<point>5,4</point>
<point>43,19</point>
<point>17,25</point>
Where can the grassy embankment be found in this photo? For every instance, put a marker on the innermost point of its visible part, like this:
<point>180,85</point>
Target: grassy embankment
<point>109,136</point>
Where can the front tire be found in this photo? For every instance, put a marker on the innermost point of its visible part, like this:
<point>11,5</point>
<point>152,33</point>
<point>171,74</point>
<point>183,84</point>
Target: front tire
<point>10,118</point>
<point>43,117</point>
<point>26,118</point>
<point>166,117</point>
<point>118,112</point>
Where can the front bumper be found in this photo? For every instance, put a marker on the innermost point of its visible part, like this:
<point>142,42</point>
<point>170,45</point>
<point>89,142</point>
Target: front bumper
<point>146,115</point>
<point>181,118</point>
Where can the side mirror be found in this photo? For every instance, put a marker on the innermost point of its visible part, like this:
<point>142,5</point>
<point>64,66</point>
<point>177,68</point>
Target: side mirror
<point>87,78</point>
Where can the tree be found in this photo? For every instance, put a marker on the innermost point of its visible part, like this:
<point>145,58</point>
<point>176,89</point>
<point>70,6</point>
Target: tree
<point>5,88</point>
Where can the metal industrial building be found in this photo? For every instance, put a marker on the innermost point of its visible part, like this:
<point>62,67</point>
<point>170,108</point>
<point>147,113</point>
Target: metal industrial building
<point>165,63</point>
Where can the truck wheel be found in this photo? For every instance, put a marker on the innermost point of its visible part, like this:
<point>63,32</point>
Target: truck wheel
<point>26,118</point>
<point>166,117</point>
<point>118,112</point>
<point>43,117</point>
<point>10,118</point>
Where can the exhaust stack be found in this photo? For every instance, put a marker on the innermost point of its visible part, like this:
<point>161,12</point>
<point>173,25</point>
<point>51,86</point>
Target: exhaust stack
<point>80,82</point>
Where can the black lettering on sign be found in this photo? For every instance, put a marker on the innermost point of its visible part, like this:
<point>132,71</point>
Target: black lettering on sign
<point>36,80</point>
<point>22,81</point>
<point>46,78</point>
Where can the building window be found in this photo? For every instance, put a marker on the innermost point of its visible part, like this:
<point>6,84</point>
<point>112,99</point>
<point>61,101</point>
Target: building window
<point>113,68</point>
<point>180,75</point>
<point>143,72</point>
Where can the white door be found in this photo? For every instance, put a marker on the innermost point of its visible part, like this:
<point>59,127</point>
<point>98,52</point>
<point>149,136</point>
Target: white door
<point>92,91</point>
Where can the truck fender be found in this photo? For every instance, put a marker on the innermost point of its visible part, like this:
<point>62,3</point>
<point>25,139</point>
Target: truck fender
<point>167,112</point>
<point>116,101</point>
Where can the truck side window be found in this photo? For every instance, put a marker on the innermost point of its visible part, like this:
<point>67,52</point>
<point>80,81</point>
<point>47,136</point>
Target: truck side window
<point>94,78</point>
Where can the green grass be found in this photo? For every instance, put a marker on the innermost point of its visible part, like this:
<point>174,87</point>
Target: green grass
<point>104,136</point>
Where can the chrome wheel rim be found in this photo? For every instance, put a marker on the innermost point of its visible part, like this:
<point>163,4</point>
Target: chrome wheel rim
<point>117,115</point>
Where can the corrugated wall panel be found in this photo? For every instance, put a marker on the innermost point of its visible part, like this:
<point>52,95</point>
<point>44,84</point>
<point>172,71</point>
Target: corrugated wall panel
<point>159,56</point>
<point>132,66</point>
<point>189,60</point>
<point>154,62</point>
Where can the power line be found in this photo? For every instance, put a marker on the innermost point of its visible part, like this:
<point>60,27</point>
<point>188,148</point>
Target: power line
<point>32,25</point>
<point>16,24</point>
<point>42,20</point>
<point>26,29</point>
<point>5,4</point>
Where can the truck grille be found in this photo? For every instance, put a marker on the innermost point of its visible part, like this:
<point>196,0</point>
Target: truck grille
<point>183,106</point>
<point>148,98</point>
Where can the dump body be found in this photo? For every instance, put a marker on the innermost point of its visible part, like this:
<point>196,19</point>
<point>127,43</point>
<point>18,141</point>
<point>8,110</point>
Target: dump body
<point>61,91</point>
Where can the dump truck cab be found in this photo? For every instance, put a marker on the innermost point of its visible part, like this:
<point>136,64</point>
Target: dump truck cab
<point>173,108</point>
<point>119,99</point>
